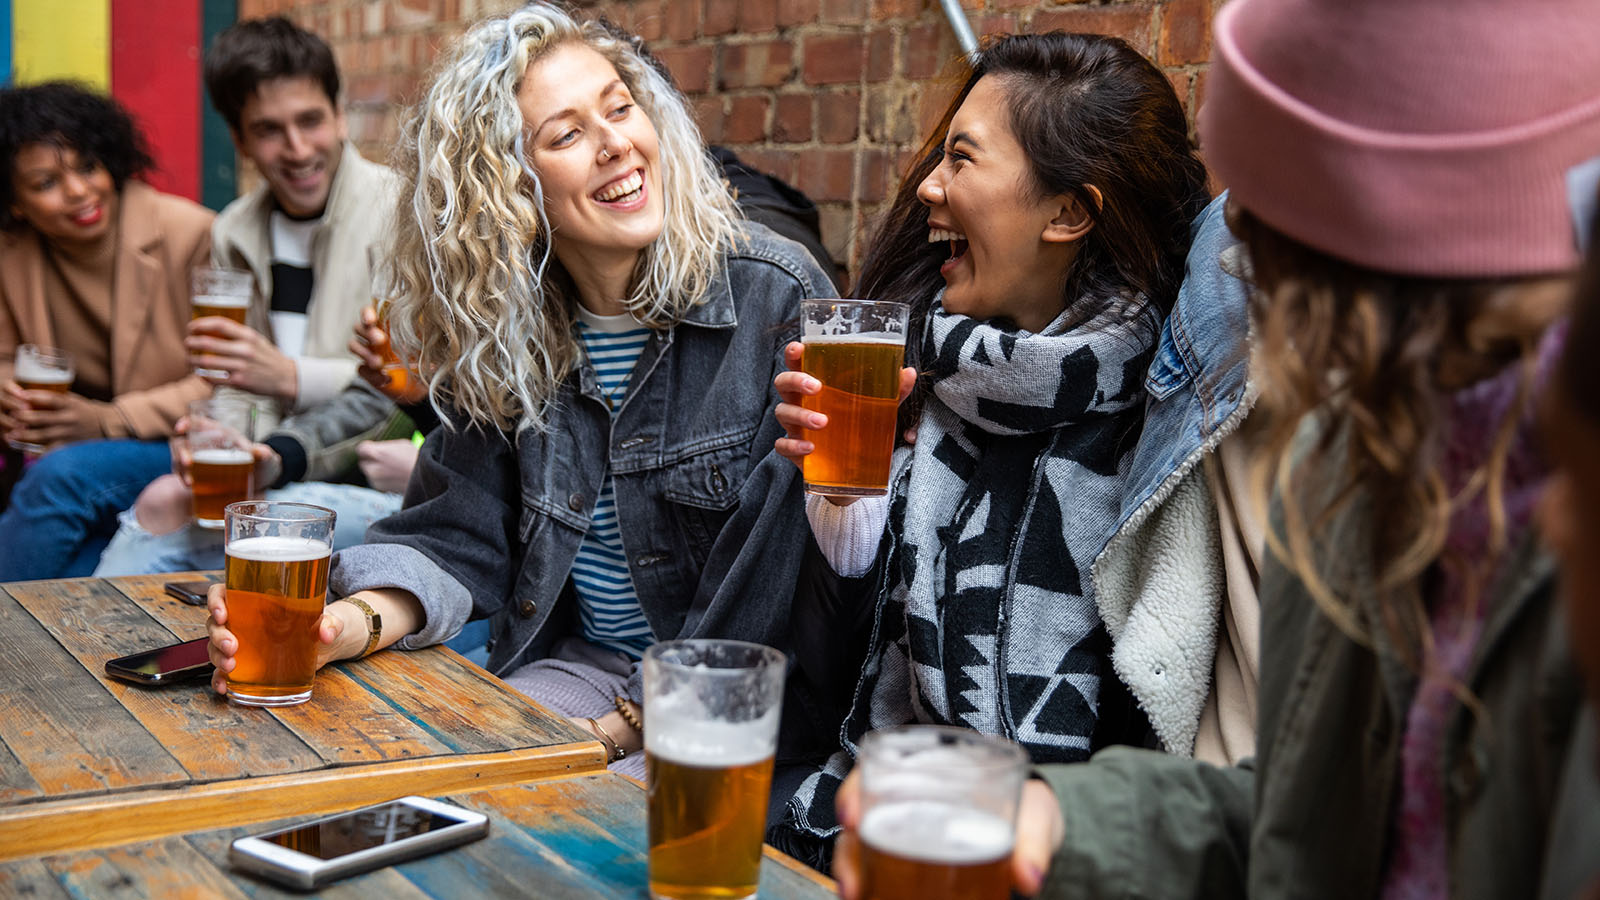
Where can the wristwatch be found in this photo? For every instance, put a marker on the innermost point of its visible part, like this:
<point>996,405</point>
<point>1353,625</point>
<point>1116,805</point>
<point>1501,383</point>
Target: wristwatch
<point>374,624</point>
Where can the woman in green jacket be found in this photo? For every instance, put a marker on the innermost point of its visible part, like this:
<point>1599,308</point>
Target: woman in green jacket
<point>1410,213</point>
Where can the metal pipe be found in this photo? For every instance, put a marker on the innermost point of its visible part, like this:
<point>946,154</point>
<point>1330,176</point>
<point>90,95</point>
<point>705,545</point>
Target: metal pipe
<point>962,28</point>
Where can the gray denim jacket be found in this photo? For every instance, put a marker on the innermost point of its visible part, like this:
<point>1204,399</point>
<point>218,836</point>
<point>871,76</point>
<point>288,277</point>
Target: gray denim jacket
<point>711,519</point>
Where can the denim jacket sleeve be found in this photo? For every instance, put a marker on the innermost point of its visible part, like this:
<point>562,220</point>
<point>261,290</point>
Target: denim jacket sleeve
<point>453,544</point>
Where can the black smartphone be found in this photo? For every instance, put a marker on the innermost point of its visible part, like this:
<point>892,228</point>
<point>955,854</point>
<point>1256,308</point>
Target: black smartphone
<point>190,592</point>
<point>164,665</point>
<point>311,855</point>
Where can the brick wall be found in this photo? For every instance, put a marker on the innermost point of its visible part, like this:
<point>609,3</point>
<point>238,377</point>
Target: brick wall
<point>831,95</point>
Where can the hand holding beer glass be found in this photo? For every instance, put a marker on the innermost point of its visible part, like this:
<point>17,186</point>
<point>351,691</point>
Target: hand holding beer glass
<point>276,580</point>
<point>222,466</point>
<point>934,811</point>
<point>220,292</point>
<point>711,731</point>
<point>41,369</point>
<point>841,419</point>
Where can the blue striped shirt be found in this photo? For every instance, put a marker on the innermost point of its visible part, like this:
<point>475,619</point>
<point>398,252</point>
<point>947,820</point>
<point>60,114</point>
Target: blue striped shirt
<point>608,607</point>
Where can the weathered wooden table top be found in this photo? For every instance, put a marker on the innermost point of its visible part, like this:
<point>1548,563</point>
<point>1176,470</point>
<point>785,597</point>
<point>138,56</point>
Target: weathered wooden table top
<point>581,837</point>
<point>89,761</point>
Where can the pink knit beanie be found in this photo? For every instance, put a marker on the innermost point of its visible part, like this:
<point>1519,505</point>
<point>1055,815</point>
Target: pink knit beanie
<point>1423,137</point>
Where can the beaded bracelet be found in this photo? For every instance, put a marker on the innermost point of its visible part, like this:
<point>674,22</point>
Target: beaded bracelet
<point>628,715</point>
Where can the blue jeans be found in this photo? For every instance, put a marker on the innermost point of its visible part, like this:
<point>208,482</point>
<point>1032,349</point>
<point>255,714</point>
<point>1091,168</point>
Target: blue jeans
<point>65,508</point>
<point>134,551</point>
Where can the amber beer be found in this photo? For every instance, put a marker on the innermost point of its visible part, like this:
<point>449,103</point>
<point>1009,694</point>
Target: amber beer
<point>935,851</point>
<point>216,305</point>
<point>855,348</point>
<point>708,813</point>
<point>277,583</point>
<point>37,368</point>
<point>711,731</point>
<point>221,475</point>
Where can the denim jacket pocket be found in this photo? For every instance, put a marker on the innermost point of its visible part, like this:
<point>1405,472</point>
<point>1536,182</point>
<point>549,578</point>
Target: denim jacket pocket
<point>703,491</point>
<point>1167,373</point>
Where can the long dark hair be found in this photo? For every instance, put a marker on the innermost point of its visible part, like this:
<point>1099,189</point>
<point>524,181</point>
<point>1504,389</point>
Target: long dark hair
<point>1088,110</point>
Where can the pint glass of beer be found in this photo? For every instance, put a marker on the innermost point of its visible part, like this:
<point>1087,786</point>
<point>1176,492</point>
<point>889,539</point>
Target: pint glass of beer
<point>855,348</point>
<point>41,369</point>
<point>710,732</point>
<point>220,292</point>
<point>221,466</point>
<point>939,807</point>
<point>277,584</point>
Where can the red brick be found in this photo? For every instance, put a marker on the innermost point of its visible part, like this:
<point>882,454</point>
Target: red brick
<point>781,163</point>
<point>646,21</point>
<point>708,115</point>
<point>928,49</point>
<point>1129,21</point>
<point>1012,4</point>
<point>996,23</point>
<point>844,12</point>
<point>877,176</point>
<point>839,117</point>
<point>880,55</point>
<point>827,175</point>
<point>690,66</point>
<point>722,17</point>
<point>449,10</point>
<point>1185,32</point>
<point>1180,85</point>
<point>412,13</point>
<point>894,10</point>
<point>798,12</point>
<point>758,16</point>
<point>682,19</point>
<point>747,120</point>
<point>762,64</point>
<point>791,120</point>
<point>833,59</point>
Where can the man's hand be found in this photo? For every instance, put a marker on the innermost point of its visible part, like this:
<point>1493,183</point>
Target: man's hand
<point>252,362</point>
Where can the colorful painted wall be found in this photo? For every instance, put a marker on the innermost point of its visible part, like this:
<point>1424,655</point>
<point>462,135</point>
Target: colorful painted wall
<point>146,53</point>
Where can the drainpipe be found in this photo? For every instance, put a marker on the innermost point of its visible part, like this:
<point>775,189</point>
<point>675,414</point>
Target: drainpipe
<point>963,30</point>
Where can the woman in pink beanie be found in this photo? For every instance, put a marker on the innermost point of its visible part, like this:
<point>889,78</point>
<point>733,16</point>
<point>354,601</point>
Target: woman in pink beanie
<point>1410,179</point>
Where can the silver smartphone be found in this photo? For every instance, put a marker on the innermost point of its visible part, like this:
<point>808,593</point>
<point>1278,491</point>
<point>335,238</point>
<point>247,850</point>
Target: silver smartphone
<point>311,855</point>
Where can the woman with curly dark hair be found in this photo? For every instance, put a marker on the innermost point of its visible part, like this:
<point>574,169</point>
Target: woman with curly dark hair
<point>94,262</point>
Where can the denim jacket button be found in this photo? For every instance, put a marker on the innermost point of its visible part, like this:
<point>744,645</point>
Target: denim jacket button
<point>527,607</point>
<point>575,502</point>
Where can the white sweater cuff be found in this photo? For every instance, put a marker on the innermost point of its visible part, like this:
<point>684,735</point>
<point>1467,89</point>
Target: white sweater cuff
<point>848,535</point>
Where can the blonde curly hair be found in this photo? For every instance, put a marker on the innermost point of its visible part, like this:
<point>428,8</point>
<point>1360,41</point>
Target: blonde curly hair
<point>475,297</point>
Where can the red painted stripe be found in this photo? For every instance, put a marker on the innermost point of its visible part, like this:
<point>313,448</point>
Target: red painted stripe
<point>155,73</point>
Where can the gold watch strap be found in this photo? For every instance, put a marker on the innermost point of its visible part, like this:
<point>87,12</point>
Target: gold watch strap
<point>374,624</point>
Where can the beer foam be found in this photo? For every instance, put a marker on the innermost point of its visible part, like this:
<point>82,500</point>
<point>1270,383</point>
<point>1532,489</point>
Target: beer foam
<point>932,832</point>
<point>276,548</point>
<point>865,337</point>
<point>29,369</point>
<point>222,301</point>
<point>224,456</point>
<point>696,742</point>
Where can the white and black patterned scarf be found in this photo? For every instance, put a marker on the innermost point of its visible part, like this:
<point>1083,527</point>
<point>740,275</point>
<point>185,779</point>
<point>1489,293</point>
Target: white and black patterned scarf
<point>985,615</point>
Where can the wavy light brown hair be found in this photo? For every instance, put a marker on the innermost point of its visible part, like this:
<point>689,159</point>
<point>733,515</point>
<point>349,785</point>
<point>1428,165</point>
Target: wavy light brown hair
<point>1372,359</point>
<point>478,299</point>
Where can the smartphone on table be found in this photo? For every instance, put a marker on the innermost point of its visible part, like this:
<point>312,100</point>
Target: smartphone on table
<point>163,665</point>
<point>311,855</point>
<point>190,592</point>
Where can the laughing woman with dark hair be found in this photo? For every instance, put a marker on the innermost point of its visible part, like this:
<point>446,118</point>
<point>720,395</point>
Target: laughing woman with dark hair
<point>95,262</point>
<point>1039,244</point>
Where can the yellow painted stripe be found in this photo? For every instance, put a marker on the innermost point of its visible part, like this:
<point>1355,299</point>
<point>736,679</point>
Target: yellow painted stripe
<point>62,39</point>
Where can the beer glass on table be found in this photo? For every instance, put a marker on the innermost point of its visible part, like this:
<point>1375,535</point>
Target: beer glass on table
<point>40,368</point>
<point>855,348</point>
<point>711,730</point>
<point>220,292</point>
<point>221,467</point>
<point>938,813</point>
<point>277,583</point>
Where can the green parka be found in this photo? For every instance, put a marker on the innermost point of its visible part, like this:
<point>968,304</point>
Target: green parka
<point>1310,816</point>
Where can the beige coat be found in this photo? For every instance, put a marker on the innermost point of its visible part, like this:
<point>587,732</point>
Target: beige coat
<point>160,239</point>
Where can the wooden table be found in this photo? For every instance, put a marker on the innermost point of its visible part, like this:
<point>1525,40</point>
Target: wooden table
<point>87,761</point>
<point>576,838</point>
